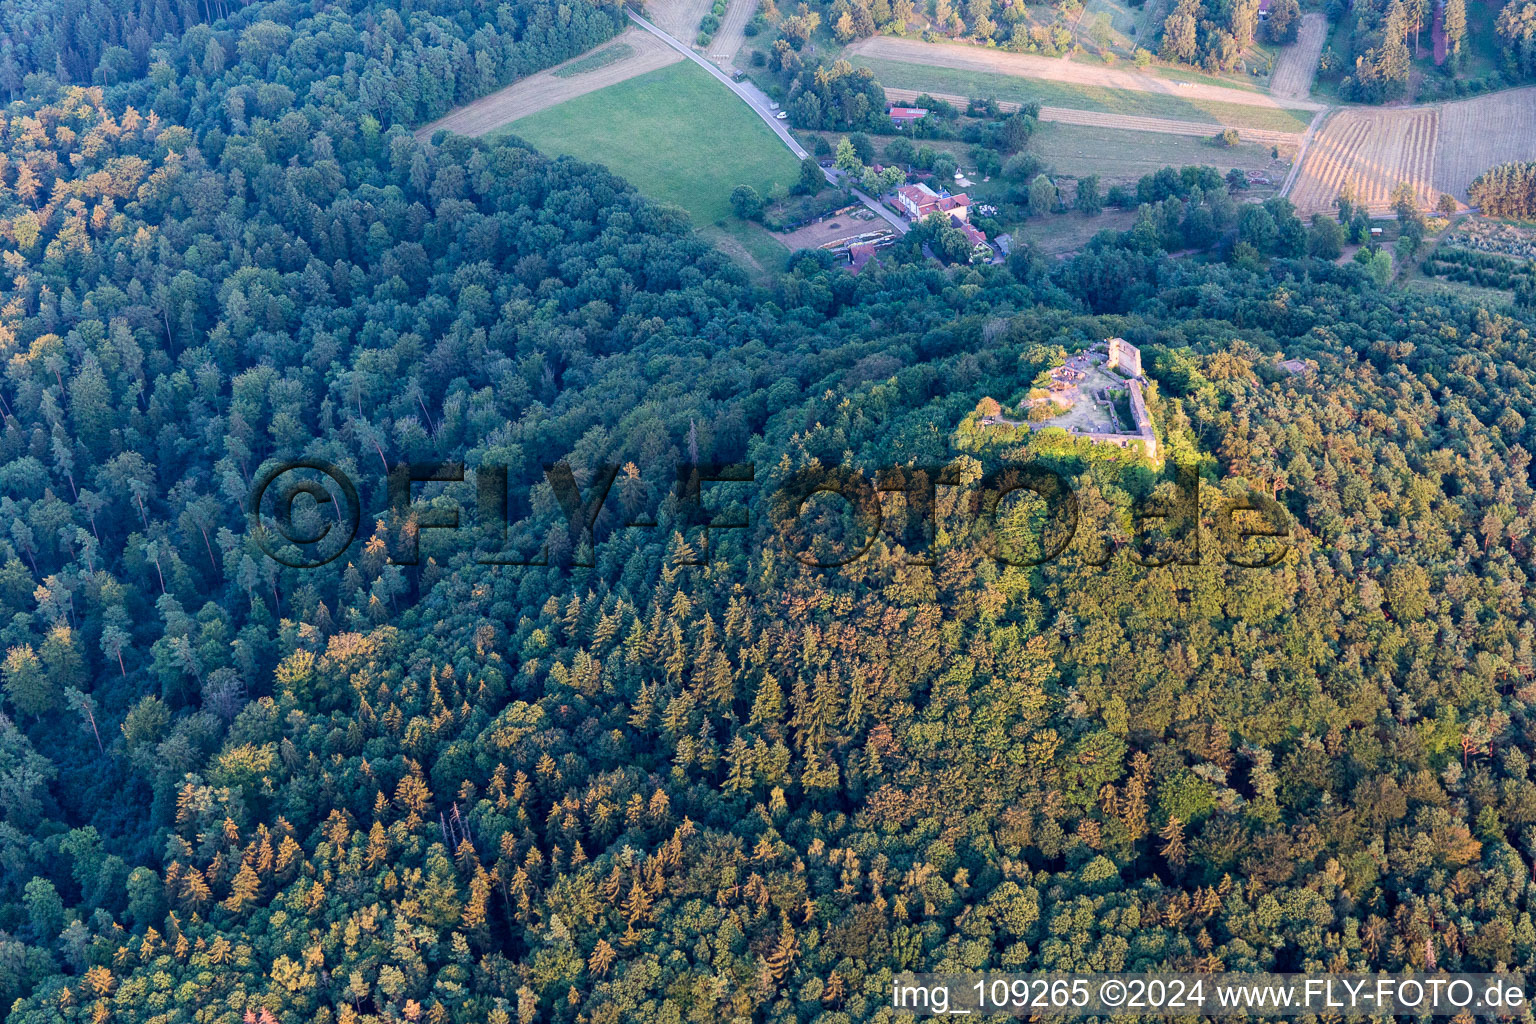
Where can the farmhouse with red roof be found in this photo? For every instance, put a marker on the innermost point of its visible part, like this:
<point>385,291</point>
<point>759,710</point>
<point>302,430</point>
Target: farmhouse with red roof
<point>918,201</point>
<point>981,252</point>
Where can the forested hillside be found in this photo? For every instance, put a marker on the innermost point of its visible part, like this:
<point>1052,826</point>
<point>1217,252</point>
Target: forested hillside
<point>367,59</point>
<point>647,789</point>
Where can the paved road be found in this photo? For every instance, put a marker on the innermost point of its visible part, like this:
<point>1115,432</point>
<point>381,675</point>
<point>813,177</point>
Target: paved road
<point>762,106</point>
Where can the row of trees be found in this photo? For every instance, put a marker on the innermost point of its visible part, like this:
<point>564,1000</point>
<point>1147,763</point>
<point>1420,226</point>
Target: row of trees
<point>1508,190</point>
<point>1453,23</point>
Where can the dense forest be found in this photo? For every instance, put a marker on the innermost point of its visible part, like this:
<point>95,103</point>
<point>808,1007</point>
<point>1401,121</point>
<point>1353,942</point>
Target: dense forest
<point>1383,60</point>
<point>1516,27</point>
<point>1214,35</point>
<point>676,773</point>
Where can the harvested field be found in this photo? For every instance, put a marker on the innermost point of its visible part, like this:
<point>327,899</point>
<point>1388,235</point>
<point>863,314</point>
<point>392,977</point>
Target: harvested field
<point>1162,126</point>
<point>1373,150</point>
<point>1480,133</point>
<point>678,18</point>
<point>971,58</point>
<point>1297,63</point>
<point>1438,148</point>
<point>728,41</point>
<point>550,87</point>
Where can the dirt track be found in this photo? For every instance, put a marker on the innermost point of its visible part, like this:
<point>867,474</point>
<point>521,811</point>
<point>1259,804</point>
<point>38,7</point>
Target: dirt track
<point>728,41</point>
<point>543,90</point>
<point>1297,65</point>
<point>1022,65</point>
<point>1130,122</point>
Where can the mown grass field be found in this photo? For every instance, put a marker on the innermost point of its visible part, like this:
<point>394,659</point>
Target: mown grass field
<point>759,251</point>
<point>1118,155</point>
<point>1061,233</point>
<point>903,75</point>
<point>676,134</point>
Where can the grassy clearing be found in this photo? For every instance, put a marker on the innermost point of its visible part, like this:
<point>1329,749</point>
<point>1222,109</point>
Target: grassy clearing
<point>901,75</point>
<point>676,134</point>
<point>1236,80</point>
<point>1091,57</point>
<point>1125,34</point>
<point>1120,20</point>
<point>1119,155</point>
<point>597,59</point>
<point>757,249</point>
<point>1061,233</point>
<point>1325,86</point>
<point>1489,298</point>
<point>1149,22</point>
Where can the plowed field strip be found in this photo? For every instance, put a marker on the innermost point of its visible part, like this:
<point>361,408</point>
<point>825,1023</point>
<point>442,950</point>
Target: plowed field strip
<point>1474,135</point>
<point>1374,151</point>
<point>727,42</point>
<point>1297,65</point>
